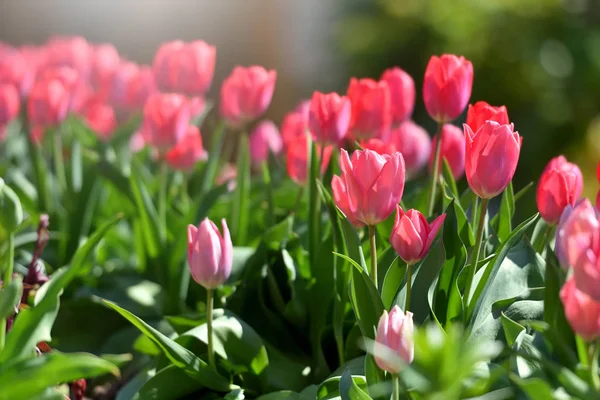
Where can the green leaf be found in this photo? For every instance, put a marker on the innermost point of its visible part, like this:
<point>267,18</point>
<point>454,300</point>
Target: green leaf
<point>512,330</point>
<point>214,155</point>
<point>331,387</point>
<point>283,394</point>
<point>270,213</point>
<point>148,215</point>
<point>449,178</point>
<point>349,390</point>
<point>392,282</point>
<point>41,175</point>
<point>314,206</point>
<point>534,388</point>
<point>9,297</point>
<point>179,355</point>
<point>23,379</point>
<point>524,190</point>
<point>241,198</point>
<point>169,383</point>
<point>502,221</point>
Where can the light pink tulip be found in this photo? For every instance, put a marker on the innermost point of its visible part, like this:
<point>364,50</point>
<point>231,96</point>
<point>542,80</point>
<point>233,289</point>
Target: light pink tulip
<point>578,230</point>
<point>582,311</point>
<point>340,197</point>
<point>412,236</point>
<point>265,138</point>
<point>210,254</point>
<point>394,339</point>
<point>415,145</point>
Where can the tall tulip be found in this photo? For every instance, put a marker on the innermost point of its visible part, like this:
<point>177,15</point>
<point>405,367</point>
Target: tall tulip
<point>481,111</point>
<point>560,185</point>
<point>329,117</point>
<point>415,145</point>
<point>371,108</point>
<point>340,197</point>
<point>48,103</point>
<point>105,61</point>
<point>394,340</point>
<point>402,93</point>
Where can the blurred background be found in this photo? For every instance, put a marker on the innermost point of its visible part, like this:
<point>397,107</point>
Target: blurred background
<point>541,58</point>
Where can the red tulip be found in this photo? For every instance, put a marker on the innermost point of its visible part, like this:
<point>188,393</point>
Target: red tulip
<point>560,184</point>
<point>402,93</point>
<point>188,151</point>
<point>101,118</point>
<point>371,108</point>
<point>394,342</point>
<point>166,118</point>
<point>412,236</point>
<point>447,86</point>
<point>295,123</point>
<point>480,112</point>
<point>9,103</point>
<point>105,62</point>
<point>329,117</point>
<point>182,67</point>
<point>210,253</point>
<point>246,94</point>
<point>264,139</point>
<point>582,312</point>
<point>48,103</point>
<point>340,197</point>
<point>492,154</point>
<point>453,150</point>
<point>374,184</point>
<point>415,145</point>
<point>297,159</point>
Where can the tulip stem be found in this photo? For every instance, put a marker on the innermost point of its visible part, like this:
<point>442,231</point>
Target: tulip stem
<point>436,168</point>
<point>298,199</point>
<point>209,326</point>
<point>373,242</point>
<point>8,272</point>
<point>162,199</point>
<point>59,164</point>
<point>476,251</point>
<point>396,385</point>
<point>594,350</point>
<point>321,160</point>
<point>409,270</point>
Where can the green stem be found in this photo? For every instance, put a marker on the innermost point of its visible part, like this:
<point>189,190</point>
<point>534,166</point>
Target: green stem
<point>594,350</point>
<point>474,211</point>
<point>8,272</point>
<point>59,163</point>
<point>436,168</point>
<point>582,351</point>
<point>321,158</point>
<point>409,269</point>
<point>475,259</point>
<point>298,199</point>
<point>372,241</point>
<point>214,156</point>
<point>270,217</point>
<point>396,385</point>
<point>162,199</point>
<point>209,325</point>
<point>546,238</point>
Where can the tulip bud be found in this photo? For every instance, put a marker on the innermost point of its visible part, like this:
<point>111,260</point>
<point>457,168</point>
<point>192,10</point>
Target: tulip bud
<point>402,93</point>
<point>9,103</point>
<point>188,151</point>
<point>412,236</point>
<point>371,108</point>
<point>246,94</point>
<point>453,150</point>
<point>186,68</point>
<point>394,339</point>
<point>48,103</point>
<point>295,123</point>
<point>492,154</point>
<point>415,145</point>
<point>297,159</point>
<point>582,312</point>
<point>578,230</point>
<point>101,118</point>
<point>264,139</point>
<point>210,254</point>
<point>166,118</point>
<point>480,112</point>
<point>447,86</point>
<point>374,184</point>
<point>560,185</point>
<point>11,212</point>
<point>329,117</point>
<point>340,197</point>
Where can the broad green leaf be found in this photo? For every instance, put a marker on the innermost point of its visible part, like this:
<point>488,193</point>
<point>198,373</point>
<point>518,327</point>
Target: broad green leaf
<point>241,197</point>
<point>449,178</point>
<point>23,379</point>
<point>169,383</point>
<point>330,388</point>
<point>350,390</point>
<point>9,297</point>
<point>179,355</point>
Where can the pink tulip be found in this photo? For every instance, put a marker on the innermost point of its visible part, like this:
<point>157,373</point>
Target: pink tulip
<point>140,89</point>
<point>340,197</point>
<point>48,103</point>
<point>9,103</point>
<point>447,86</point>
<point>74,52</point>
<point>79,91</point>
<point>453,150</point>
<point>374,184</point>
<point>15,69</point>
<point>186,68</point>
<point>188,151</point>
<point>166,117</point>
<point>101,118</point>
<point>137,142</point>
<point>264,139</point>
<point>412,236</point>
<point>115,89</point>
<point>560,185</point>
<point>295,123</point>
<point>246,94</point>
<point>582,312</point>
<point>578,230</point>
<point>415,145</point>
<point>492,154</point>
<point>378,146</point>
<point>37,133</point>
<point>394,342</point>
<point>297,159</point>
<point>329,117</point>
<point>210,254</point>
<point>105,62</point>
<point>480,112</point>
<point>402,93</point>
<point>371,108</point>
<point>227,174</point>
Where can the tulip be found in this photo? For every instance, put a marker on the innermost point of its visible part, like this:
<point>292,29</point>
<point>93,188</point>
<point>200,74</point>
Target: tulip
<point>329,117</point>
<point>197,106</point>
<point>412,236</point>
<point>447,86</point>
<point>371,108</point>
<point>264,139</point>
<point>560,185</point>
<point>166,117</point>
<point>582,311</point>
<point>492,154</point>
<point>137,142</point>
<point>37,133</point>
<point>188,151</point>
<point>480,112</point>
<point>374,182</point>
<point>105,62</point>
<point>340,197</point>
<point>578,230</point>
<point>452,149</point>
<point>101,118</point>
<point>73,52</point>
<point>140,89</point>
<point>295,123</point>
<point>598,195</point>
<point>48,103</point>
<point>402,93</point>
<point>9,103</point>
<point>378,146</point>
<point>227,174</point>
<point>115,89</point>
<point>79,91</point>
<point>415,145</point>
<point>394,340</point>
<point>297,159</point>
<point>246,94</point>
<point>186,68</point>
<point>15,69</point>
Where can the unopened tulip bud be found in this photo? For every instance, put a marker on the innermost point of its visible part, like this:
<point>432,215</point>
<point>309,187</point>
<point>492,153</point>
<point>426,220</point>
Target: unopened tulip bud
<point>188,151</point>
<point>371,108</point>
<point>560,185</point>
<point>394,340</point>
<point>412,236</point>
<point>210,253</point>
<point>402,93</point>
<point>480,112</point>
<point>329,117</point>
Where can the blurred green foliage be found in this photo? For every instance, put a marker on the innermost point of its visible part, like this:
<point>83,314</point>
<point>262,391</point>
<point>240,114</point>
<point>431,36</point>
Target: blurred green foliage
<point>541,58</point>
